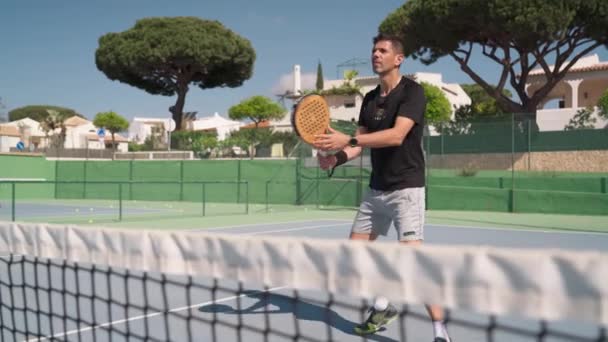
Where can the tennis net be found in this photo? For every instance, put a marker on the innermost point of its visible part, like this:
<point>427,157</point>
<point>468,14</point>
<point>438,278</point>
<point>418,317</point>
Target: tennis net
<point>67,283</point>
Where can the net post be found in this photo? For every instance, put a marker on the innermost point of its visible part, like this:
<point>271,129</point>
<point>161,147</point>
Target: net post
<point>13,201</point>
<point>603,185</point>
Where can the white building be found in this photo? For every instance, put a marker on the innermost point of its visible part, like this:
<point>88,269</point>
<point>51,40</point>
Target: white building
<point>217,123</point>
<point>347,107</point>
<point>82,134</point>
<point>30,133</point>
<point>142,128</point>
<point>582,87</point>
<point>9,137</point>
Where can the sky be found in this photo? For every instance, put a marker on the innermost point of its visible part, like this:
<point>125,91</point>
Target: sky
<point>47,50</point>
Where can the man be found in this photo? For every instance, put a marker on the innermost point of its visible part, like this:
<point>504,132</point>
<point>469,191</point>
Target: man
<point>391,124</point>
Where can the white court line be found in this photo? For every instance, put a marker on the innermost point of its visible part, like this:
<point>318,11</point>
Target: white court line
<point>72,332</point>
<point>262,224</point>
<point>515,229</point>
<point>292,229</point>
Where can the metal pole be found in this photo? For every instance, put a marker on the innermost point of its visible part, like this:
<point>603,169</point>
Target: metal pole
<point>119,201</point>
<point>246,197</point>
<point>266,195</point>
<point>13,201</point>
<point>203,198</point>
<point>512,194</point>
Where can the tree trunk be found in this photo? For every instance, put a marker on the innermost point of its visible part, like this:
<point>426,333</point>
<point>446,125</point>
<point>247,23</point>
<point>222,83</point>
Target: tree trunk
<point>178,108</point>
<point>253,136</point>
<point>113,146</point>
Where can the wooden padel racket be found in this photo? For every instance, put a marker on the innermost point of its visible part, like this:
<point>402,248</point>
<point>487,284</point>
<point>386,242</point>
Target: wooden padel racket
<point>310,117</point>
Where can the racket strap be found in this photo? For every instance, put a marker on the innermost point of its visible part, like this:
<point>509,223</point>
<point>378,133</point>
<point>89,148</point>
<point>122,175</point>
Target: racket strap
<point>341,158</point>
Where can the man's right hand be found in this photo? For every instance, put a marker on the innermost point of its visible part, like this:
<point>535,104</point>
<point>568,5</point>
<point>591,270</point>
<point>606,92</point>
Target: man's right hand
<point>326,162</point>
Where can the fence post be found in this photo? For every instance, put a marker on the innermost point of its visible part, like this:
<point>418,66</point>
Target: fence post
<point>298,180</point>
<point>131,179</point>
<point>203,197</point>
<point>13,201</point>
<point>603,185</point>
<point>181,180</point>
<point>246,197</point>
<point>266,195</point>
<point>84,185</point>
<point>120,201</point>
<point>529,145</point>
<point>238,179</point>
<point>511,192</point>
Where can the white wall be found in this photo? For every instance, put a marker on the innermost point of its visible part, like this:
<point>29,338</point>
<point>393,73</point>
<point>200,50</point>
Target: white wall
<point>6,143</point>
<point>557,119</point>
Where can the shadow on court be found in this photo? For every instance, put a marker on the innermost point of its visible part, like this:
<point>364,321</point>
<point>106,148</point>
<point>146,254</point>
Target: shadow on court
<point>303,311</point>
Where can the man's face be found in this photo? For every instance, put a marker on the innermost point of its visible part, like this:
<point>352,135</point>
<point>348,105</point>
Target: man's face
<point>384,57</point>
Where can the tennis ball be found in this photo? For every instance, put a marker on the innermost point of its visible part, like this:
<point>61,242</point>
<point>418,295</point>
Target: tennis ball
<point>91,209</point>
<point>91,221</point>
<point>77,210</point>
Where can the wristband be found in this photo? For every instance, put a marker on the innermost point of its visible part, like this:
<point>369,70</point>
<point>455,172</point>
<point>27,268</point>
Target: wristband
<point>341,158</point>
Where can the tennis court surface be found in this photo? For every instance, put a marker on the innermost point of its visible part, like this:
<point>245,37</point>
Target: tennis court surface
<point>298,280</point>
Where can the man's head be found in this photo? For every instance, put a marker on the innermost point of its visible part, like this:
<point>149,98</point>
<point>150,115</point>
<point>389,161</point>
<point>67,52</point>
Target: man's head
<point>387,54</point>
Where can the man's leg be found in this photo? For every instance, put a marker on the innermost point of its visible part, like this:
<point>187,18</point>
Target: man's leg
<point>382,312</point>
<point>435,311</point>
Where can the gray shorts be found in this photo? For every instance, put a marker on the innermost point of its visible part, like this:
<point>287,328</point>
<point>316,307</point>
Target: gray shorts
<point>404,208</point>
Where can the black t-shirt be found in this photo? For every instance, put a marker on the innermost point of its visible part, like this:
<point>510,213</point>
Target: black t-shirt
<point>396,167</point>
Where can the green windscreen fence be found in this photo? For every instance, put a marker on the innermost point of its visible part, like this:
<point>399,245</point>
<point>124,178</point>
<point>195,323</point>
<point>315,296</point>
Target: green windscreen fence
<point>507,165</point>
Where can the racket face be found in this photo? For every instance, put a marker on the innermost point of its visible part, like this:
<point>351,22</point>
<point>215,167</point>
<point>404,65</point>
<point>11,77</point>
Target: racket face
<point>311,117</point>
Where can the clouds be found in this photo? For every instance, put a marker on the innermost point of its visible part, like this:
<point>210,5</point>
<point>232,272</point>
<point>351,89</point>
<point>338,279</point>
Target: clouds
<point>285,83</point>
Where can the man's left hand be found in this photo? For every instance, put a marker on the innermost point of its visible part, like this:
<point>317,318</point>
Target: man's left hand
<point>332,141</point>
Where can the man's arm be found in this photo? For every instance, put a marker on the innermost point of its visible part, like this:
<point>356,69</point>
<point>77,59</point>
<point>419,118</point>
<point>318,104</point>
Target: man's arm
<point>328,162</point>
<point>389,137</point>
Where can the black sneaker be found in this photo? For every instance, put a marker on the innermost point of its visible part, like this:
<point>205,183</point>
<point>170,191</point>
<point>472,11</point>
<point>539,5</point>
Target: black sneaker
<point>440,339</point>
<point>376,320</point>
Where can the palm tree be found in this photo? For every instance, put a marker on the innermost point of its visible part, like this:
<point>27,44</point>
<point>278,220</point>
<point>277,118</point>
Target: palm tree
<point>53,122</point>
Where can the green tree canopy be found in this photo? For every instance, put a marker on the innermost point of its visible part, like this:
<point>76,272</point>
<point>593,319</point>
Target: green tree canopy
<point>111,121</point>
<point>583,119</point>
<point>438,107</point>
<point>163,56</point>
<point>517,35</point>
<point>40,112</point>
<point>2,114</point>
<point>482,104</point>
<point>257,109</point>
<point>319,83</point>
<point>603,105</point>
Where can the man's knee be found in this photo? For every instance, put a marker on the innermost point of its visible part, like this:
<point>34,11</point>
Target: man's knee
<point>363,236</point>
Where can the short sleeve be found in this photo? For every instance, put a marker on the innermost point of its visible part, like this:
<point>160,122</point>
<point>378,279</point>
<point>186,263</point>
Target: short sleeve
<point>413,104</point>
<point>362,111</point>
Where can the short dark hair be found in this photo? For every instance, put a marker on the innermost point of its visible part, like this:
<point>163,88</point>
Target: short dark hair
<point>395,41</point>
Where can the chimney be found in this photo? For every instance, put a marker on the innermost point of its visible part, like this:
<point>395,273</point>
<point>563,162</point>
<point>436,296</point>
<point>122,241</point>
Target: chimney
<point>297,89</point>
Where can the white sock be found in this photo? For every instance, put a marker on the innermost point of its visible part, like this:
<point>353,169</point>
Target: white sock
<point>381,304</point>
<point>440,330</point>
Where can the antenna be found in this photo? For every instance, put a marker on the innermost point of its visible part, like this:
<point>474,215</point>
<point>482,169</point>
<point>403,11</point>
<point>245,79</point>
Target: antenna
<point>351,64</point>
